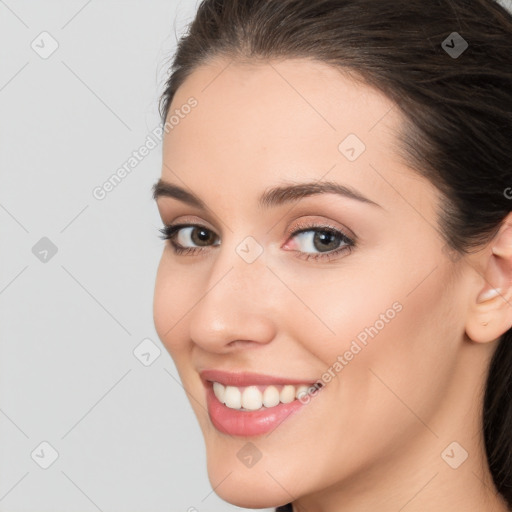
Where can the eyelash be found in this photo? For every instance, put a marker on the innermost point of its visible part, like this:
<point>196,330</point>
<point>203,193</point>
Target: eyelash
<point>168,232</point>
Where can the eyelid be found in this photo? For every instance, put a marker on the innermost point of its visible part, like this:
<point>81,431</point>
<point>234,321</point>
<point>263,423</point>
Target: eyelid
<point>317,224</point>
<point>190,220</point>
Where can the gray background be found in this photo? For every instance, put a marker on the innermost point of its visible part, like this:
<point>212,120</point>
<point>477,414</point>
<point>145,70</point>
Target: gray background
<point>125,434</point>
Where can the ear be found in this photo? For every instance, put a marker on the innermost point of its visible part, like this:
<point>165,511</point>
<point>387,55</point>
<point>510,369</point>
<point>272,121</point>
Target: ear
<point>490,312</point>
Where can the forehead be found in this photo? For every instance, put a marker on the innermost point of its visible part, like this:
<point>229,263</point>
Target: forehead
<point>259,123</point>
<point>294,97</point>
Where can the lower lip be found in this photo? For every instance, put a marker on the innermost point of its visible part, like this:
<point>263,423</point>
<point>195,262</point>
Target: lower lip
<point>247,423</point>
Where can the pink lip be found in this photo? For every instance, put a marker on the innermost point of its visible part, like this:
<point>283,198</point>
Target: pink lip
<point>246,423</point>
<point>242,379</point>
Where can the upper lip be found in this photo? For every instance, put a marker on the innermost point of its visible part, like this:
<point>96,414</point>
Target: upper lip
<point>247,378</point>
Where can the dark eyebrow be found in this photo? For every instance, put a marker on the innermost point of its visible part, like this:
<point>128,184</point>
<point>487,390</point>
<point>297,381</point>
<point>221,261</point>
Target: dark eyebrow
<point>164,189</point>
<point>270,198</point>
<point>288,193</point>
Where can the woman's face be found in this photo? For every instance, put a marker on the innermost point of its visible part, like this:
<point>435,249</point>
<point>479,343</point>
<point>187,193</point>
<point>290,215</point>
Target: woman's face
<point>365,299</point>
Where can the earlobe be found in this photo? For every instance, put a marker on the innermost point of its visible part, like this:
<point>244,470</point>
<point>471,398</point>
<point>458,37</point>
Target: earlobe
<point>491,312</point>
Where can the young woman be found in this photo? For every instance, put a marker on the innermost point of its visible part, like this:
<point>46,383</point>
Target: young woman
<point>336,285</point>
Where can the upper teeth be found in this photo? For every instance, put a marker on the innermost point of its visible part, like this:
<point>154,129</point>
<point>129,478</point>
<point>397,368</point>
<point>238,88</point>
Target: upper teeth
<point>250,398</point>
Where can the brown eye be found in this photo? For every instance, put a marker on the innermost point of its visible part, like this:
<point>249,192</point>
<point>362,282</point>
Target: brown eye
<point>199,236</point>
<point>183,234</point>
<point>326,240</point>
<point>321,240</point>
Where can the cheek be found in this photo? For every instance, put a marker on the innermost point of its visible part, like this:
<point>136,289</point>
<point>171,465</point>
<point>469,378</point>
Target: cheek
<point>389,368</point>
<point>171,296</point>
<point>331,309</point>
<point>396,320</point>
<point>407,364</point>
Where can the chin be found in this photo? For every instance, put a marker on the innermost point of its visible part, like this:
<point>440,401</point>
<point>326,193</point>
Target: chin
<point>246,487</point>
<point>249,493</point>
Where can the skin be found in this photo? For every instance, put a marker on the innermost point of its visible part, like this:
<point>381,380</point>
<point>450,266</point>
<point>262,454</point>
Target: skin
<point>372,439</point>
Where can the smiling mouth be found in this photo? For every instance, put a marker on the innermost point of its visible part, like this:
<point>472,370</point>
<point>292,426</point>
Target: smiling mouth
<point>254,409</point>
<point>256,397</point>
<point>252,404</point>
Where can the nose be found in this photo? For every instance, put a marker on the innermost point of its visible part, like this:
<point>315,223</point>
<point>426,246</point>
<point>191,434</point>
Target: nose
<point>236,309</point>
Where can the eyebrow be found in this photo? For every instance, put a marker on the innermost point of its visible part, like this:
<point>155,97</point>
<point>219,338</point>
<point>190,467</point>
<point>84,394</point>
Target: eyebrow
<point>270,198</point>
